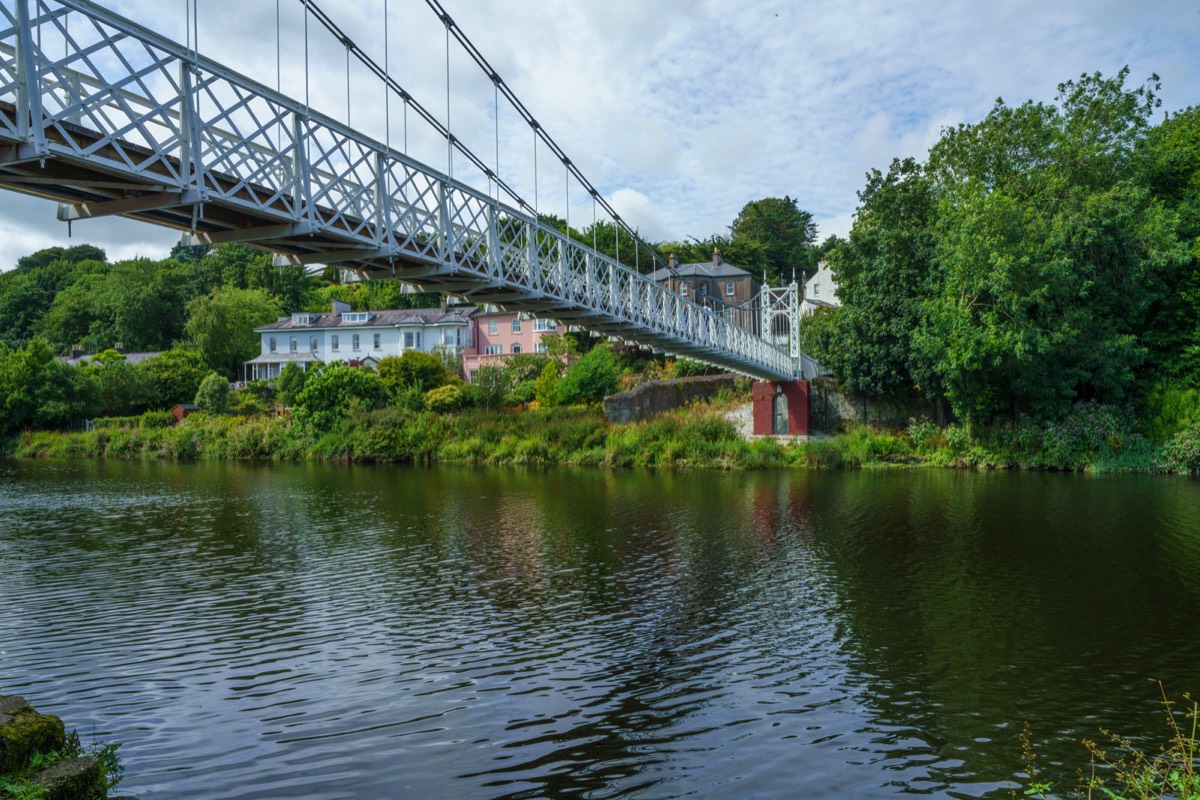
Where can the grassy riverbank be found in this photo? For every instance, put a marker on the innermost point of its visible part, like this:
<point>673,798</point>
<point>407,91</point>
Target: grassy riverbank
<point>1093,439</point>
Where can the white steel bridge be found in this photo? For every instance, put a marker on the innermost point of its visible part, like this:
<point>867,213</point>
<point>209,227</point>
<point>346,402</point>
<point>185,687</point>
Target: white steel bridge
<point>109,118</point>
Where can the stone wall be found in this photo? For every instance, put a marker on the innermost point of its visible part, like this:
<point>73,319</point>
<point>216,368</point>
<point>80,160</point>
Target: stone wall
<point>832,409</point>
<point>658,396</point>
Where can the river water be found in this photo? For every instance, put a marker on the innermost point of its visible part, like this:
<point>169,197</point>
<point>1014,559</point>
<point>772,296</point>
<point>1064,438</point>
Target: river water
<point>330,632</point>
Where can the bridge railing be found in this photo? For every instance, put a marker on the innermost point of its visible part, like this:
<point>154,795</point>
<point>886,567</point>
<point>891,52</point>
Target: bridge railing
<point>80,82</point>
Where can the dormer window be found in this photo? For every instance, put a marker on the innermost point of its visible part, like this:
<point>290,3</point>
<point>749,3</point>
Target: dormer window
<point>303,319</point>
<point>357,316</point>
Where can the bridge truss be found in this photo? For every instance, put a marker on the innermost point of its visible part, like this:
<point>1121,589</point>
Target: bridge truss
<point>109,118</point>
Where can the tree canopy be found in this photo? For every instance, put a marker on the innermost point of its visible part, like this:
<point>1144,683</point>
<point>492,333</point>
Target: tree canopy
<point>1044,255</point>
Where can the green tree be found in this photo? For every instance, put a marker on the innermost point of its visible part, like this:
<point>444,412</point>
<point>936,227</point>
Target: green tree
<point>213,395</point>
<point>290,383</point>
<point>221,326</point>
<point>36,391</point>
<point>1050,253</point>
<point>545,389</point>
<point>782,230</point>
<point>489,386</point>
<point>176,375</point>
<point>122,388</point>
<point>1168,163</point>
<point>413,369</point>
<point>592,378</point>
<point>885,272</point>
<point>326,397</point>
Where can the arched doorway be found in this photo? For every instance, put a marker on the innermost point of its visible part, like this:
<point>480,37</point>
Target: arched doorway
<point>779,413</point>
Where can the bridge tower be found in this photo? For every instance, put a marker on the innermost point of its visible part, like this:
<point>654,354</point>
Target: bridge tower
<point>781,407</point>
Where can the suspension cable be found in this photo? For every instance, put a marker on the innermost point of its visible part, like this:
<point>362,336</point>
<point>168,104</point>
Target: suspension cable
<point>516,103</point>
<point>450,138</point>
<point>496,114</point>
<point>307,105</point>
<point>387,96</point>
<point>321,16</point>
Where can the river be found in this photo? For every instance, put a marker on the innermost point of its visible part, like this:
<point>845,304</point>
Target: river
<point>330,632</point>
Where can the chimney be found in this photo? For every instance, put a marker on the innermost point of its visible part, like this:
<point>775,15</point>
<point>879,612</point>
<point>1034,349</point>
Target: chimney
<point>340,308</point>
<point>119,347</point>
<point>672,261</point>
<point>77,351</point>
<point>716,257</point>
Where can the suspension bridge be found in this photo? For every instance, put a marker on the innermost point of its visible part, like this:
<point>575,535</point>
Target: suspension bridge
<point>107,117</point>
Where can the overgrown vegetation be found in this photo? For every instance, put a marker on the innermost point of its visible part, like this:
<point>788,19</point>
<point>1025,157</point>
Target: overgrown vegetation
<point>1120,770</point>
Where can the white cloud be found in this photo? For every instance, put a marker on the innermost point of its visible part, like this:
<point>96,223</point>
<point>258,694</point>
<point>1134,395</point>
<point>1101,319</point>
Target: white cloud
<point>680,112</point>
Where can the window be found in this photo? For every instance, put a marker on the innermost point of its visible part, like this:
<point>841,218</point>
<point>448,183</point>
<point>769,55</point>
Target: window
<point>474,374</point>
<point>271,344</point>
<point>493,327</point>
<point>543,325</point>
<point>312,344</point>
<point>703,290</point>
<point>412,339</point>
<point>493,350</point>
<point>333,342</point>
<point>540,347</point>
<point>683,289</point>
<point>729,287</point>
<point>303,319</point>
<point>458,337</point>
<point>294,344</point>
<point>516,325</point>
<point>357,316</point>
<point>816,289</point>
<point>354,342</point>
<point>516,349</point>
<point>378,341</point>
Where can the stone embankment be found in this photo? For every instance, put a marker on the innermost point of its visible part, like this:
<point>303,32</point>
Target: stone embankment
<point>28,742</point>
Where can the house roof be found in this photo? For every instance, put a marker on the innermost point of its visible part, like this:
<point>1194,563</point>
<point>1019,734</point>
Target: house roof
<point>702,269</point>
<point>132,358</point>
<point>283,358</point>
<point>379,319</point>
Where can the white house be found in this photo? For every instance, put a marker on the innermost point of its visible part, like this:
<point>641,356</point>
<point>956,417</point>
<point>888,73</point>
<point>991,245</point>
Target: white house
<point>358,336</point>
<point>820,291</point>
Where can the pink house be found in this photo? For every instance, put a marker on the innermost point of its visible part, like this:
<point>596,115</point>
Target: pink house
<point>501,334</point>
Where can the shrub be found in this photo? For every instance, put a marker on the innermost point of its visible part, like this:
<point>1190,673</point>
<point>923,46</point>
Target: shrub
<point>489,386</point>
<point>414,368</point>
<point>591,378</point>
<point>1181,453</point>
<point>545,390</point>
<point>213,395</point>
<point>156,419</point>
<point>686,368</point>
<point>326,396</point>
<point>443,399</point>
<point>290,383</point>
<point>1171,408</point>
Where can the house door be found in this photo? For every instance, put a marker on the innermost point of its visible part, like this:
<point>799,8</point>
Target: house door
<point>779,414</point>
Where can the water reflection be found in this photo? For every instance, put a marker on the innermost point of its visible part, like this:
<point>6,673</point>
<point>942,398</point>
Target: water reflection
<point>323,632</point>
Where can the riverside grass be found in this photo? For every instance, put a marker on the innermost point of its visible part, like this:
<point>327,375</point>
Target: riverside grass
<point>696,437</point>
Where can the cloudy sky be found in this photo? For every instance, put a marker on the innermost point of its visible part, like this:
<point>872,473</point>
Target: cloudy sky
<point>679,111</point>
